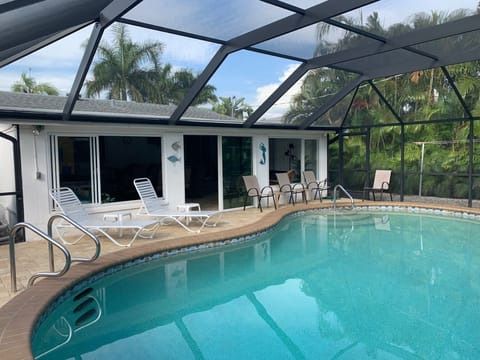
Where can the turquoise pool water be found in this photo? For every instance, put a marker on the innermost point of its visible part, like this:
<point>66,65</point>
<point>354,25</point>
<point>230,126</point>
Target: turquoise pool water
<point>364,285</point>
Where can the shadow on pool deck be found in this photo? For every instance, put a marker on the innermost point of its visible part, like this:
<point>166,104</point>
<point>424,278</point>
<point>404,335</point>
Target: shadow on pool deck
<point>19,311</point>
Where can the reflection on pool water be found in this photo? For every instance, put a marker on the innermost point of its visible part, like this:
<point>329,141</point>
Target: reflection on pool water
<point>352,286</point>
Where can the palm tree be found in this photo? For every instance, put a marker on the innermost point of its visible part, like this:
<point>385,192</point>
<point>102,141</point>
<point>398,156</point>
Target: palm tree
<point>30,86</point>
<point>124,69</point>
<point>182,81</point>
<point>233,107</point>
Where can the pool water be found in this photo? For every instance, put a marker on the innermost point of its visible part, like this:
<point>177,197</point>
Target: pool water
<point>360,285</point>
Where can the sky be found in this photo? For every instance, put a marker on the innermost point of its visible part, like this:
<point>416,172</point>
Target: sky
<point>245,74</point>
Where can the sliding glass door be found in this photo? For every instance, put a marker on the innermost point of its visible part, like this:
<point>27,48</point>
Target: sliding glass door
<point>237,161</point>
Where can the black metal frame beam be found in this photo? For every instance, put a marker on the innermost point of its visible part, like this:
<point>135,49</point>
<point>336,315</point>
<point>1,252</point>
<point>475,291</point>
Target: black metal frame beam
<point>267,32</point>
<point>332,101</point>
<point>457,93</point>
<point>390,107</point>
<point>115,9</point>
<point>277,94</point>
<point>10,5</point>
<point>18,175</point>
<point>349,107</point>
<point>405,41</point>
<point>22,50</point>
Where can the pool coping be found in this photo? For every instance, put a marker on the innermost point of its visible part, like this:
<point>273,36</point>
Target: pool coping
<point>19,316</point>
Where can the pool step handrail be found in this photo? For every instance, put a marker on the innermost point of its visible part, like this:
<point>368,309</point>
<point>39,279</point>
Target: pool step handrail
<point>81,229</point>
<point>51,244</point>
<point>338,186</point>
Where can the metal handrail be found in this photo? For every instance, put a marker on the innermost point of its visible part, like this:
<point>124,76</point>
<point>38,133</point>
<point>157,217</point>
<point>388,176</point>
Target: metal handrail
<point>51,243</point>
<point>345,192</point>
<point>79,227</point>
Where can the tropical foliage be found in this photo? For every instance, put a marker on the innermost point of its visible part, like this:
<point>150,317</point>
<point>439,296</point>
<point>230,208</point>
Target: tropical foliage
<point>416,99</point>
<point>28,85</point>
<point>126,70</point>
<point>232,106</point>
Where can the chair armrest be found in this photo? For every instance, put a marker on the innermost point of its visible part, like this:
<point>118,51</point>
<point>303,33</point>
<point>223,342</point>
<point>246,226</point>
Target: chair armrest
<point>254,190</point>
<point>324,184</point>
<point>298,186</point>
<point>314,183</point>
<point>268,189</point>
<point>385,183</point>
<point>287,186</point>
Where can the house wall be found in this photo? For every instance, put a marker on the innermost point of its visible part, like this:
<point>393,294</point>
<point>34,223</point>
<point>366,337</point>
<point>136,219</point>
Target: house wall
<point>37,176</point>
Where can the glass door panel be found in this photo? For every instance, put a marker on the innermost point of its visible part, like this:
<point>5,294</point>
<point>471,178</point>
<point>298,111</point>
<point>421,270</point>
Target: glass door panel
<point>74,165</point>
<point>311,159</point>
<point>237,161</point>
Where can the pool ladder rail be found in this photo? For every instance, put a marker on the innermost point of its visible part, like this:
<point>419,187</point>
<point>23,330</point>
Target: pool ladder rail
<point>338,186</point>
<point>51,243</point>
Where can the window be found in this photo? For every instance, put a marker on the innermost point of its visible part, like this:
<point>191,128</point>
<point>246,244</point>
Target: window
<point>74,157</point>
<point>101,169</point>
<point>124,158</point>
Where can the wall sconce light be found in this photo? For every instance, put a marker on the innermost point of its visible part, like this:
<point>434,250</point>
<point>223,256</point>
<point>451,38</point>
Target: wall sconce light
<point>37,129</point>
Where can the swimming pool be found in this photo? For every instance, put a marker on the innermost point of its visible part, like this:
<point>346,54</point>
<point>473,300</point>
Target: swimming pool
<point>381,285</point>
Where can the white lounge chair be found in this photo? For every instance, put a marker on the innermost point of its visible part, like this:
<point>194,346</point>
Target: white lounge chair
<point>158,208</point>
<point>71,206</point>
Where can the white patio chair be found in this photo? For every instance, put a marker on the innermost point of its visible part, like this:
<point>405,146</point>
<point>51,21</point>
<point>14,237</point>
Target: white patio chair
<point>252,189</point>
<point>290,189</point>
<point>315,186</point>
<point>70,205</point>
<point>381,184</point>
<point>158,208</point>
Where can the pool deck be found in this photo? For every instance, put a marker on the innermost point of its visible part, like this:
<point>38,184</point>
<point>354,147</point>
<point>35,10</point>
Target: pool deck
<point>18,312</point>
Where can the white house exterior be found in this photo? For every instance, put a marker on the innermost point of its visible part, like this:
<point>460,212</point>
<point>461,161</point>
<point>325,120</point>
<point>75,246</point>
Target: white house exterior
<point>42,156</point>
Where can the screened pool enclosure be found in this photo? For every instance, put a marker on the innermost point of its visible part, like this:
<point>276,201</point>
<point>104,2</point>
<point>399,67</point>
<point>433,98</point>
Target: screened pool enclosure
<point>392,84</point>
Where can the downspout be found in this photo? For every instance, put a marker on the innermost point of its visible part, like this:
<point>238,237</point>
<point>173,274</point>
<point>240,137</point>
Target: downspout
<point>18,193</point>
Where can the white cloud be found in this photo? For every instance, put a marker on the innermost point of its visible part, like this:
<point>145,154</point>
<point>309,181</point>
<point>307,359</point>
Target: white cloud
<point>283,104</point>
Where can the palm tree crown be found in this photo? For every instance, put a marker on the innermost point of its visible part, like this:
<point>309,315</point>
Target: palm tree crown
<point>123,69</point>
<point>30,86</point>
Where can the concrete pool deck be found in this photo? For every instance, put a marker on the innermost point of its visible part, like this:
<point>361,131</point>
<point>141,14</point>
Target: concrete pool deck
<point>19,312</point>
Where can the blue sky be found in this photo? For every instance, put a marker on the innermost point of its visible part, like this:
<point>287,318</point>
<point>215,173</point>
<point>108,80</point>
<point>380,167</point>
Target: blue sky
<point>243,74</point>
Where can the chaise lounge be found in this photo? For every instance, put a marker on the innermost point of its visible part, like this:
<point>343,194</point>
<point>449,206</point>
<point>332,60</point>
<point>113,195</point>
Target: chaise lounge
<point>158,208</point>
<point>70,205</point>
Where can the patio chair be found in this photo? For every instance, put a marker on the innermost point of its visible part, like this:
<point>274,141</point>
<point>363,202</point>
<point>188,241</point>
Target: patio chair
<point>290,189</point>
<point>381,184</point>
<point>314,185</point>
<point>70,205</point>
<point>252,189</point>
<point>158,208</point>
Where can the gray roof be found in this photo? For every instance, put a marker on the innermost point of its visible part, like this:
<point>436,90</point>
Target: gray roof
<point>273,27</point>
<point>47,104</point>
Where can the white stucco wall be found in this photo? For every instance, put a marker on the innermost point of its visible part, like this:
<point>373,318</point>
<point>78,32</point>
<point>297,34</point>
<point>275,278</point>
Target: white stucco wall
<point>37,177</point>
<point>173,171</point>
<point>35,167</point>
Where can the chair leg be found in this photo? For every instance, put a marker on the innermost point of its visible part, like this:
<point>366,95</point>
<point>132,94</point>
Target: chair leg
<point>260,204</point>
